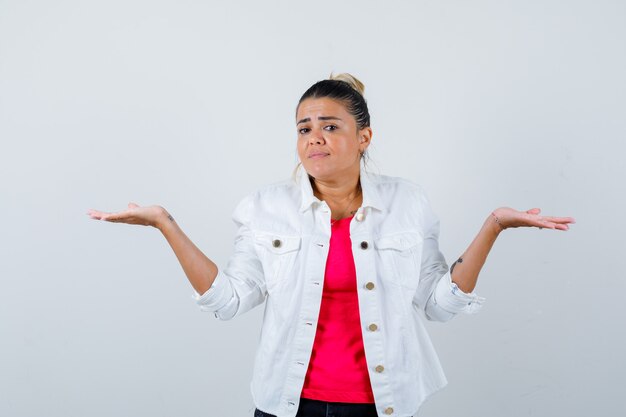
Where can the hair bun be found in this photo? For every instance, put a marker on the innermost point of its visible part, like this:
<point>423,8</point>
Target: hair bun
<point>350,80</point>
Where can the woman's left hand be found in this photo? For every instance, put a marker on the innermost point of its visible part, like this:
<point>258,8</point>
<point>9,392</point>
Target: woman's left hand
<point>507,217</point>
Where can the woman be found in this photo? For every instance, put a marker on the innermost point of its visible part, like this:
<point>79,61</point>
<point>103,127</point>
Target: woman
<point>345,261</point>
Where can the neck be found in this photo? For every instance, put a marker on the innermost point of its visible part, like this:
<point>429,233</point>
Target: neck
<point>336,190</point>
<point>343,196</point>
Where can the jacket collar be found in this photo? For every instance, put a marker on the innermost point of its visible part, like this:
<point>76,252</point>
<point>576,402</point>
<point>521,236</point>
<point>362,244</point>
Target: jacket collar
<point>371,198</point>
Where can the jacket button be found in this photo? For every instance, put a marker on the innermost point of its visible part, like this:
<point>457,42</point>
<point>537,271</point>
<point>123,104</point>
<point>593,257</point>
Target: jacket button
<point>379,369</point>
<point>373,327</point>
<point>369,285</point>
<point>276,243</point>
<point>389,410</point>
<point>364,245</point>
<point>359,217</point>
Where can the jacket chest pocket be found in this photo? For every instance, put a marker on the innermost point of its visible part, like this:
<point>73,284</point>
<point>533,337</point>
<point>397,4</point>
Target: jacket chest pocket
<point>400,256</point>
<point>277,254</point>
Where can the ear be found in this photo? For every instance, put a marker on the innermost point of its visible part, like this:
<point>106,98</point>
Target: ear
<point>365,138</point>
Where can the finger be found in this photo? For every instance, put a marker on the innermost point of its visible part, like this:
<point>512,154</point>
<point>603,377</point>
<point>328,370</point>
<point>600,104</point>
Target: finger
<point>543,223</point>
<point>96,214</point>
<point>119,217</point>
<point>132,205</point>
<point>534,211</point>
<point>557,227</point>
<point>115,217</point>
<point>561,219</point>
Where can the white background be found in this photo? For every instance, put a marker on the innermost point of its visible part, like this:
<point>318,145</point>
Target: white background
<point>190,105</point>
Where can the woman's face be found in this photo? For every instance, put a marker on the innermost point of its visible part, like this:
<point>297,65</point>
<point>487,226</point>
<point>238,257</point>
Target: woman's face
<point>329,142</point>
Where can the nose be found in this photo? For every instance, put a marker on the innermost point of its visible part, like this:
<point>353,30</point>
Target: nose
<point>316,137</point>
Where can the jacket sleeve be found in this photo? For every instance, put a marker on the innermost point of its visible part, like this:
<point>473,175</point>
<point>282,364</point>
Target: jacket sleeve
<point>436,294</point>
<point>241,285</point>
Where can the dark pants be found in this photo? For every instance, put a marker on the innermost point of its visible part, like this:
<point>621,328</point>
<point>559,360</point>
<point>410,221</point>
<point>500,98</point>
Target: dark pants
<point>314,408</point>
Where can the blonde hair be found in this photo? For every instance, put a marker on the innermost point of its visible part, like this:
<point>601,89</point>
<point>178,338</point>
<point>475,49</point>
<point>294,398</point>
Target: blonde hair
<point>350,79</point>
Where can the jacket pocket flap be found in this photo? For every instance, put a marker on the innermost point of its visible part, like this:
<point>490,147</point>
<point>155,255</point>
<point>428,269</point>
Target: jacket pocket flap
<point>399,241</point>
<point>277,243</point>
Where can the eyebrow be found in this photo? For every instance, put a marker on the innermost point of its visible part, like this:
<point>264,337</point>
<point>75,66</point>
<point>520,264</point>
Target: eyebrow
<point>308,119</point>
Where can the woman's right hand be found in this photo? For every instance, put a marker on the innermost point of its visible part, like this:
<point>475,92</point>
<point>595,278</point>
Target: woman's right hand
<point>135,214</point>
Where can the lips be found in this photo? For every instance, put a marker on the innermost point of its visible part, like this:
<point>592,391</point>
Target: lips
<point>317,155</point>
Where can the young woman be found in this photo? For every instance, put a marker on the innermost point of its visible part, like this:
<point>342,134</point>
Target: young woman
<point>345,260</point>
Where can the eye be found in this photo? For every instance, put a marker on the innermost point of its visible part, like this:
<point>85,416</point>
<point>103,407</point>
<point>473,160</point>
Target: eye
<point>303,130</point>
<point>331,127</point>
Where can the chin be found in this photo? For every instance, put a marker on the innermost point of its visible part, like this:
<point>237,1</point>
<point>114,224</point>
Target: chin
<point>318,172</point>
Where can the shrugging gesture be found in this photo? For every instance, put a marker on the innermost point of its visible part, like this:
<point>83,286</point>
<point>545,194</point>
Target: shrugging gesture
<point>365,244</point>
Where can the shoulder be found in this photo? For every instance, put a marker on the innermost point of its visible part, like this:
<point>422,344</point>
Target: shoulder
<point>285,189</point>
<point>390,180</point>
<point>400,197</point>
<point>396,187</point>
<point>267,199</point>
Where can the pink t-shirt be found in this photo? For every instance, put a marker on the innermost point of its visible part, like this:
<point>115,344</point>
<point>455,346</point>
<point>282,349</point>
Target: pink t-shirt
<point>337,371</point>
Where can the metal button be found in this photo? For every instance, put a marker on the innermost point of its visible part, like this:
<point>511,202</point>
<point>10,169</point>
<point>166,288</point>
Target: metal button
<point>389,410</point>
<point>364,245</point>
<point>373,327</point>
<point>369,285</point>
<point>276,243</point>
<point>379,369</point>
<point>359,217</point>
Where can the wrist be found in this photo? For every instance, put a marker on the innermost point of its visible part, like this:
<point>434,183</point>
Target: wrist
<point>494,223</point>
<point>163,219</point>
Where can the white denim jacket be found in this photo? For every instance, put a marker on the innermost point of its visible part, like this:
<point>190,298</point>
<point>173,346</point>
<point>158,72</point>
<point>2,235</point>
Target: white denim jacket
<point>280,257</point>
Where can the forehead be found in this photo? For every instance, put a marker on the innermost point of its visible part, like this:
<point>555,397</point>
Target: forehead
<point>313,107</point>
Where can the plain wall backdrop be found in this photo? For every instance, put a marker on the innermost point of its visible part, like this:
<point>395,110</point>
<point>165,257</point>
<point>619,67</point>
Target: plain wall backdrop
<point>190,105</point>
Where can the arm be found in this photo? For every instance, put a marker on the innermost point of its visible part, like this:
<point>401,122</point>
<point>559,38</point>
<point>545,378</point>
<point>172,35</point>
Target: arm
<point>200,270</point>
<point>436,294</point>
<point>240,287</point>
<point>443,293</point>
<point>465,270</point>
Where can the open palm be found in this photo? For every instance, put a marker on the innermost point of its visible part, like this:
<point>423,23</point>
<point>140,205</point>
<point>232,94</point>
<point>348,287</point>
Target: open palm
<point>508,218</point>
<point>135,214</point>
